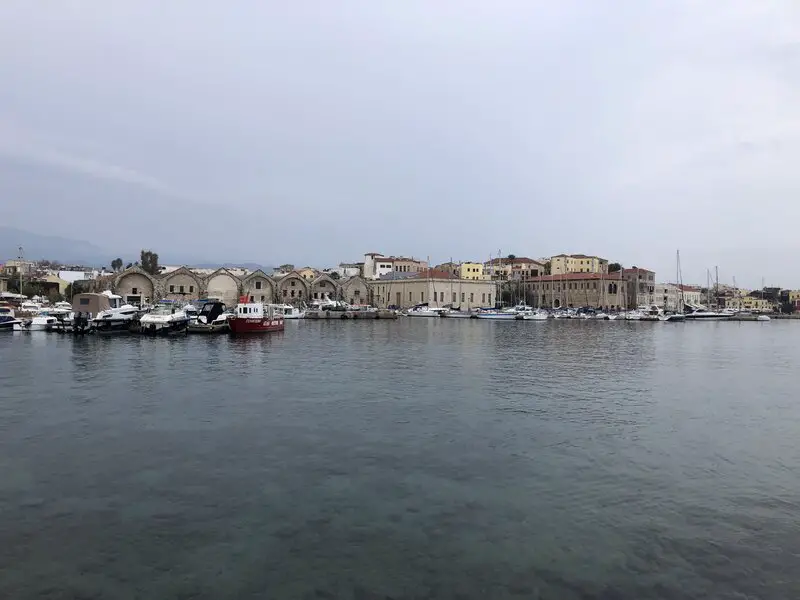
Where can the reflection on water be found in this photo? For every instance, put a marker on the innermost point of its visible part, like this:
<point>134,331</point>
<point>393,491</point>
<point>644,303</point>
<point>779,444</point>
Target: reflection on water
<point>409,459</point>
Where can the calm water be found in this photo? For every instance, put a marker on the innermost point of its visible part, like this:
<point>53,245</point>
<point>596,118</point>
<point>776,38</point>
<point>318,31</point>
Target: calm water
<point>411,459</point>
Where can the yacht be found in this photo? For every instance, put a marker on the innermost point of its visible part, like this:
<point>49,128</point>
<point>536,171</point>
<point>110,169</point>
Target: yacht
<point>703,314</point>
<point>457,313</point>
<point>7,317</point>
<point>30,307</point>
<point>114,316</point>
<point>508,314</point>
<point>166,318</point>
<point>424,310</point>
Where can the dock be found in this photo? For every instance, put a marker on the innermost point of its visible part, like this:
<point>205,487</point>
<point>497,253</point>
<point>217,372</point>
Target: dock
<point>350,314</point>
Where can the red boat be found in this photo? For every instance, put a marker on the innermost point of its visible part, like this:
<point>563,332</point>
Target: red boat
<point>253,317</point>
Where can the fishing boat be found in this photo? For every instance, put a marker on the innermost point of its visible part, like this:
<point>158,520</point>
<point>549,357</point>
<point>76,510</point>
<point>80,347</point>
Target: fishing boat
<point>167,318</point>
<point>254,317</point>
<point>291,312</point>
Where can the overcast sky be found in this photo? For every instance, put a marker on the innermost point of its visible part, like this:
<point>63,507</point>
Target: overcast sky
<point>312,132</point>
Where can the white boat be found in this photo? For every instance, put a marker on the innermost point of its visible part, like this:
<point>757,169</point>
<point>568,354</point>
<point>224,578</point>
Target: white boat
<point>763,318</point>
<point>633,315</point>
<point>497,315</point>
<point>7,317</point>
<point>37,323</point>
<point>535,315</point>
<point>703,314</point>
<point>167,318</point>
<point>30,307</point>
<point>674,318</point>
<point>423,310</point>
<point>458,314</point>
<point>292,312</point>
<point>191,312</point>
<point>212,318</point>
<point>116,317</point>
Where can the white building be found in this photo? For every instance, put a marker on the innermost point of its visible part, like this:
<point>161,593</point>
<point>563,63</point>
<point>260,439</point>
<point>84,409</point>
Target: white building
<point>674,297</point>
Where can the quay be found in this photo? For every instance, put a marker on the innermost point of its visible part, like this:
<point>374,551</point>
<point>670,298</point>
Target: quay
<point>350,314</point>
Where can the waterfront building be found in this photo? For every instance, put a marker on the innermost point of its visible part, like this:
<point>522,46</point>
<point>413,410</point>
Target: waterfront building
<point>641,286</point>
<point>561,264</point>
<point>749,303</point>
<point>3,284</point>
<point>593,290</point>
<point>513,267</point>
<point>377,265</point>
<point>794,299</point>
<point>464,270</point>
<point>437,288</point>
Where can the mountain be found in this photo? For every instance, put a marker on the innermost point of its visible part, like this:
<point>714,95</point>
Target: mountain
<point>49,247</point>
<point>79,252</point>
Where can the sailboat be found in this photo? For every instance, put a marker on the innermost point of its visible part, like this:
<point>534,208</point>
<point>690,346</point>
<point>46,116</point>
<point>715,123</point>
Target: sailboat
<point>676,316</point>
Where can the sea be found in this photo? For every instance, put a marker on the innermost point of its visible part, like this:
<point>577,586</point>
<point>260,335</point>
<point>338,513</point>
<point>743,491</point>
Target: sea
<point>407,459</point>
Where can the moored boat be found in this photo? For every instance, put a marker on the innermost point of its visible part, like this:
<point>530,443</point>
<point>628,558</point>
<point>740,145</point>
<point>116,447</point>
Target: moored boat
<point>254,317</point>
<point>166,319</point>
<point>424,310</point>
<point>212,318</point>
<point>535,315</point>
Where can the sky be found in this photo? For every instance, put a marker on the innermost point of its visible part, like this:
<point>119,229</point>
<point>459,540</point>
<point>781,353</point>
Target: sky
<point>312,132</point>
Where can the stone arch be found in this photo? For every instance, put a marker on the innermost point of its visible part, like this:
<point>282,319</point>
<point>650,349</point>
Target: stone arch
<point>223,285</point>
<point>355,291</point>
<point>136,286</point>
<point>322,286</point>
<point>556,303</point>
<point>259,286</point>
<point>293,289</point>
<point>182,284</point>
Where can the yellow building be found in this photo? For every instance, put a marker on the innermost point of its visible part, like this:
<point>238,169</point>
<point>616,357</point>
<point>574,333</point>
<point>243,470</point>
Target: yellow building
<point>471,270</point>
<point>561,264</point>
<point>517,267</point>
<point>749,303</point>
<point>307,273</point>
<point>62,284</point>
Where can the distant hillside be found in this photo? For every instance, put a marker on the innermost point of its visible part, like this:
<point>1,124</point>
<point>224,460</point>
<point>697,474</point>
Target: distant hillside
<point>68,251</point>
<point>46,247</point>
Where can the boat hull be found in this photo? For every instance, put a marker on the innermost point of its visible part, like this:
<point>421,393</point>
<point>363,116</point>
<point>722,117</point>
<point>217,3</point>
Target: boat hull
<point>458,315</point>
<point>498,317</point>
<point>242,326</point>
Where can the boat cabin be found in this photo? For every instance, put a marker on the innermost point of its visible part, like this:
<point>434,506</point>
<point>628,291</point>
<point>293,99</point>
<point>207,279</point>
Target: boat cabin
<point>210,311</point>
<point>90,304</point>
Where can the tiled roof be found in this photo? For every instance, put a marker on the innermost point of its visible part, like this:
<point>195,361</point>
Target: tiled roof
<point>637,270</point>
<point>509,261</point>
<point>433,274</point>
<point>578,276</point>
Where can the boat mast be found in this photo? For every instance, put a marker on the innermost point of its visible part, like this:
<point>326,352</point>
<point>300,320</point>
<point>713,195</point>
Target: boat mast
<point>680,279</point>
<point>21,258</point>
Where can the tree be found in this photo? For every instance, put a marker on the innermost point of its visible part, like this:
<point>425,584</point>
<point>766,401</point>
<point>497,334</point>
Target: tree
<point>287,268</point>
<point>68,292</point>
<point>511,256</point>
<point>614,267</point>
<point>116,264</point>
<point>129,265</point>
<point>149,260</point>
<point>335,275</point>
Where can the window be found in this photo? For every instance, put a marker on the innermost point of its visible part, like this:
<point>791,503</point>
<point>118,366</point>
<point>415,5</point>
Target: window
<point>316,295</point>
<point>300,293</point>
<point>262,298</point>
<point>422,296</point>
<point>409,297</point>
<point>258,285</point>
<point>490,299</point>
<point>454,296</point>
<point>463,295</point>
<point>252,299</point>
<point>292,293</point>
<point>398,298</point>
<point>191,289</point>
<point>134,291</point>
<point>293,284</point>
<point>471,297</point>
<point>172,289</point>
<point>441,296</point>
<point>284,293</point>
<point>483,298</point>
<point>180,289</point>
<point>323,283</point>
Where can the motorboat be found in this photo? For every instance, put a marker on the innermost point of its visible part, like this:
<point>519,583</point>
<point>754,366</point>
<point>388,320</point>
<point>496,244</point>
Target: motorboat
<point>292,312</point>
<point>212,318</point>
<point>703,314</point>
<point>457,313</point>
<point>166,318</point>
<point>8,318</point>
<point>672,318</point>
<point>32,308</point>
<point>192,312</point>
<point>36,323</point>
<point>114,316</point>
<point>497,315</point>
<point>633,315</point>
<point>254,317</point>
<point>424,310</point>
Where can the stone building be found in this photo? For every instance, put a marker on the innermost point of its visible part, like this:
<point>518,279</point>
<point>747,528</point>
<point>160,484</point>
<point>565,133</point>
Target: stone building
<point>641,286</point>
<point>437,288</point>
<point>137,286</point>
<point>574,290</point>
